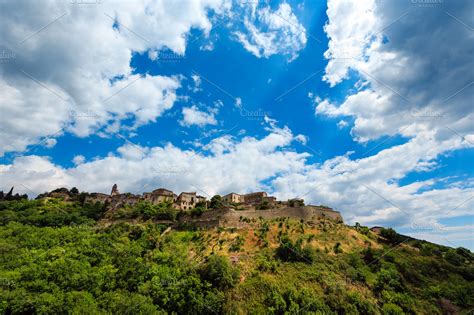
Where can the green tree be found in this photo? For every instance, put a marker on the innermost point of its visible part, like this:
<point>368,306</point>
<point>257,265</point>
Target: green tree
<point>216,202</point>
<point>219,272</point>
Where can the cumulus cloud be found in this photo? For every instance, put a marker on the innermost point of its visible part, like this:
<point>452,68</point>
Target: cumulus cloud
<point>49,143</point>
<point>71,58</point>
<point>78,159</point>
<point>193,116</point>
<point>269,32</point>
<point>415,74</point>
<point>342,124</point>
<point>302,139</point>
<point>224,164</point>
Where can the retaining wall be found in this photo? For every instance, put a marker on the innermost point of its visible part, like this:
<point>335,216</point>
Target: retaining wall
<point>233,218</point>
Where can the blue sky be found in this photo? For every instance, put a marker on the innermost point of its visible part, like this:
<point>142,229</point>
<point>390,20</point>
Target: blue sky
<point>339,103</point>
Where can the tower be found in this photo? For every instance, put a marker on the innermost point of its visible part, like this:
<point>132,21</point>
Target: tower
<point>114,190</point>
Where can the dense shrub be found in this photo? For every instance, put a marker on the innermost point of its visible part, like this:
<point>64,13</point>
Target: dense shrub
<point>216,202</point>
<point>219,272</point>
<point>391,236</point>
<point>454,258</point>
<point>294,251</point>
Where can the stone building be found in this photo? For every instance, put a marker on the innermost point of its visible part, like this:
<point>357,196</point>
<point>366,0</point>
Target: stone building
<point>97,197</point>
<point>188,200</point>
<point>255,198</point>
<point>249,199</point>
<point>160,195</point>
<point>120,200</point>
<point>233,198</point>
<point>185,201</point>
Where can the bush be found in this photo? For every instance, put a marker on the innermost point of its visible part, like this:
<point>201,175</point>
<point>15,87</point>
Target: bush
<point>264,205</point>
<point>197,212</point>
<point>337,248</point>
<point>236,244</point>
<point>219,272</point>
<point>392,309</point>
<point>454,258</point>
<point>295,202</point>
<point>392,236</point>
<point>293,251</point>
<point>388,279</point>
<point>216,202</point>
<point>147,210</point>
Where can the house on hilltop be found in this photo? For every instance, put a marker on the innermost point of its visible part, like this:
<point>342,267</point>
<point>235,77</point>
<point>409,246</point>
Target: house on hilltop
<point>233,198</point>
<point>188,200</point>
<point>160,195</point>
<point>254,198</point>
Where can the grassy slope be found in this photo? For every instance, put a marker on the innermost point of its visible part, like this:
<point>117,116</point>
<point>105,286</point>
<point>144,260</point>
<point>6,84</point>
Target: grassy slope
<point>62,260</point>
<point>343,276</point>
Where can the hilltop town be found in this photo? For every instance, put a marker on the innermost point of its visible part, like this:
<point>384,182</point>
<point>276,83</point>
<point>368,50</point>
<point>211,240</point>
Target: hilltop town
<point>231,210</point>
<point>184,201</point>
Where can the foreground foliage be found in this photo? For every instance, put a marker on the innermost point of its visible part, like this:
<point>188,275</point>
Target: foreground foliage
<point>56,257</point>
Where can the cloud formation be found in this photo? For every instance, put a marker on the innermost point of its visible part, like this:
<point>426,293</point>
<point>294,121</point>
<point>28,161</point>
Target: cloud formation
<point>414,75</point>
<point>68,66</point>
<point>269,32</point>
<point>193,116</point>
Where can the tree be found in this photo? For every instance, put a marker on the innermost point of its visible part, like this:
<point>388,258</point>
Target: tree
<point>391,236</point>
<point>219,272</point>
<point>293,251</point>
<point>264,205</point>
<point>454,258</point>
<point>216,202</point>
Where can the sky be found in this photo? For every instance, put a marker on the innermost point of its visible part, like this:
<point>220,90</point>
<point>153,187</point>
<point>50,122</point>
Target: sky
<point>363,106</point>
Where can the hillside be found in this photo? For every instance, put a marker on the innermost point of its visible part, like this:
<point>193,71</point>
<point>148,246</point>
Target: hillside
<point>60,257</point>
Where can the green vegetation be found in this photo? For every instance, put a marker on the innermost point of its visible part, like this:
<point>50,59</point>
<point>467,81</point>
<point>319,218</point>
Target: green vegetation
<point>146,210</point>
<point>216,202</point>
<point>264,205</point>
<point>62,257</point>
<point>295,202</point>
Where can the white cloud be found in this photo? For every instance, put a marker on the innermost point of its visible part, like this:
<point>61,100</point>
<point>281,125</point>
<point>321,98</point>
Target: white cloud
<point>269,32</point>
<point>193,116</point>
<point>78,159</point>
<point>342,124</point>
<point>302,139</point>
<point>238,102</point>
<point>350,28</point>
<point>224,164</point>
<point>414,64</point>
<point>153,55</point>
<point>197,83</point>
<point>73,63</point>
<point>197,80</point>
<point>49,143</point>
